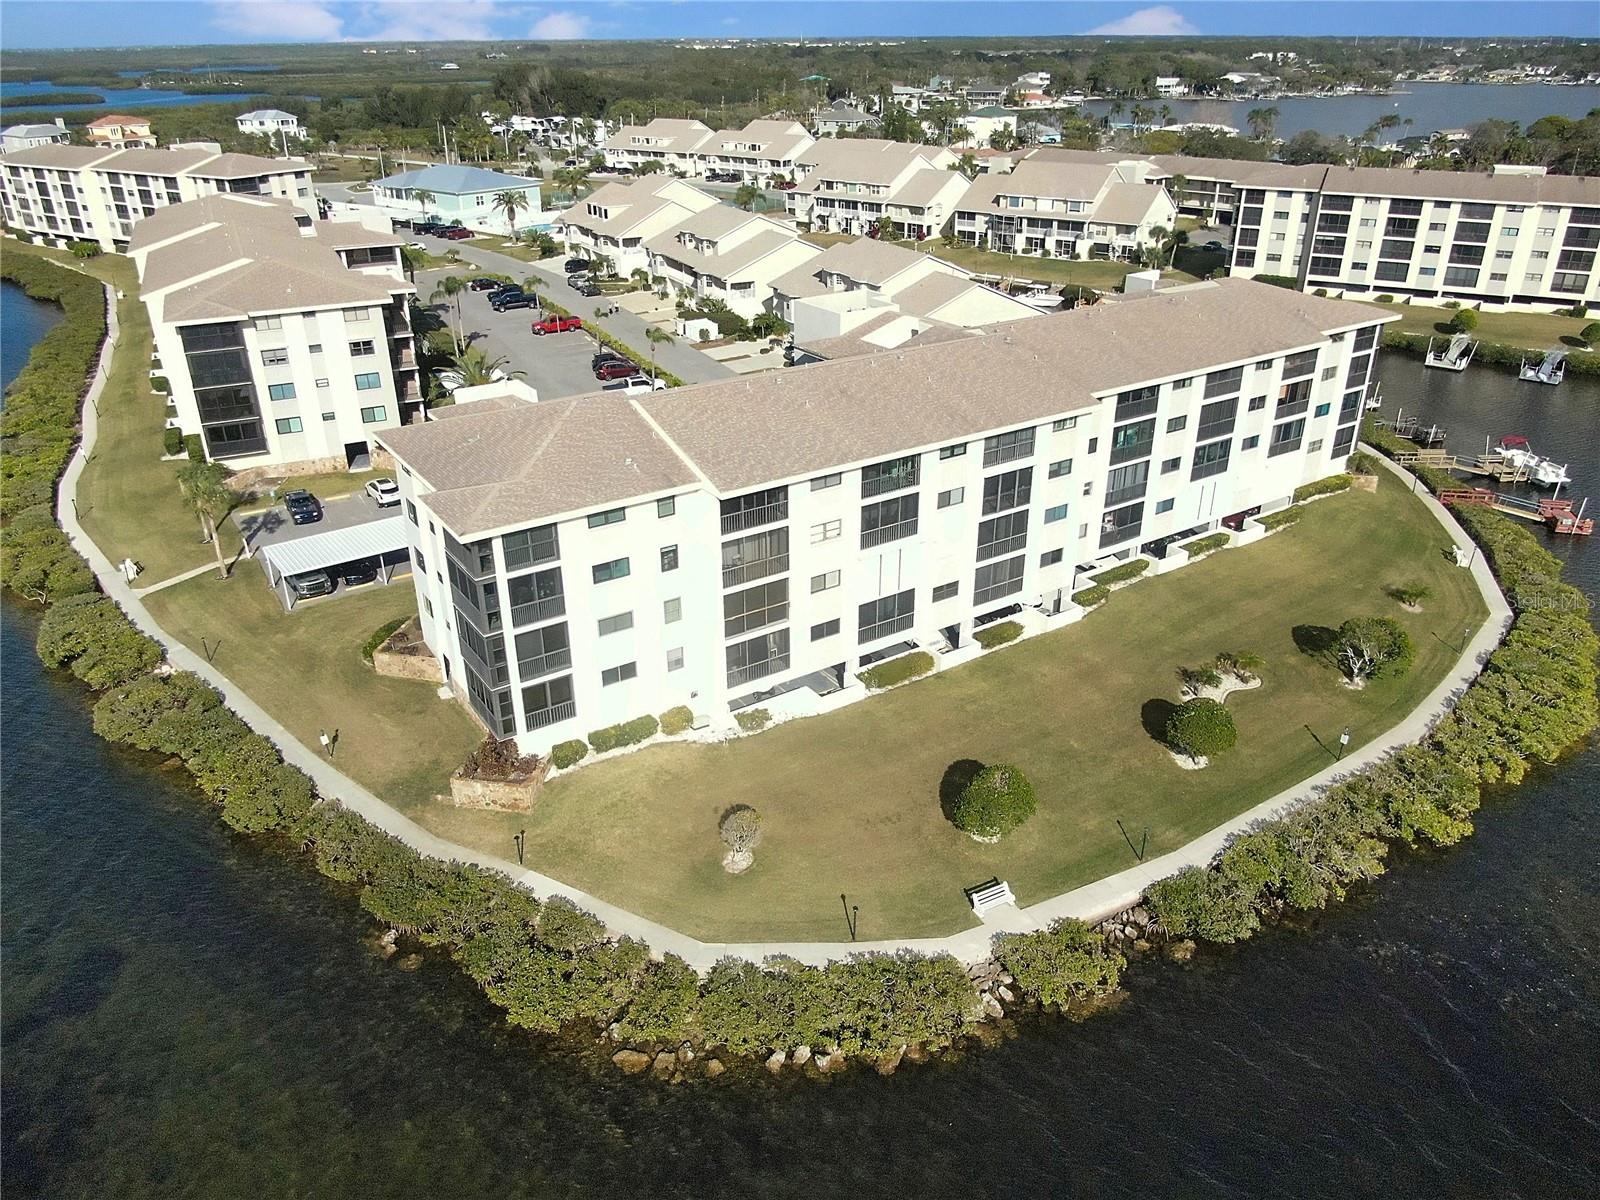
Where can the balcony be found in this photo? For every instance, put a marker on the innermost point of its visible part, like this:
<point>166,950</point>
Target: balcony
<point>759,569</point>
<point>760,670</point>
<point>752,518</point>
<point>544,664</point>
<point>539,610</point>
<point>555,714</point>
<point>888,533</point>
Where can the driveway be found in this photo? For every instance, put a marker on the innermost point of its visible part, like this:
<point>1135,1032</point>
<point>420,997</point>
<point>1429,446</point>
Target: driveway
<point>264,527</point>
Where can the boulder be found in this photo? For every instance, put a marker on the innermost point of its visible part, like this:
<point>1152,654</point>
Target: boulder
<point>1006,994</point>
<point>889,1063</point>
<point>387,942</point>
<point>831,1061</point>
<point>614,1031</point>
<point>714,1068</point>
<point>801,1055</point>
<point>917,1053</point>
<point>666,1062</point>
<point>631,1061</point>
<point>686,1053</point>
<point>991,1007</point>
<point>775,1061</point>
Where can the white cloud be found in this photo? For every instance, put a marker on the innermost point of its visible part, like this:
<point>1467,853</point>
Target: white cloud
<point>431,21</point>
<point>1160,21</point>
<point>278,20</point>
<point>560,27</point>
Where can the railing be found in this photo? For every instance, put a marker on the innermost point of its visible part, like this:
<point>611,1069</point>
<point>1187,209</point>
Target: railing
<point>888,482</point>
<point>1211,430</point>
<point>539,718</point>
<point>539,610</point>
<point>996,590</point>
<point>887,533</point>
<point>1130,452</point>
<point>1003,546</point>
<point>750,518</point>
<point>544,664</point>
<point>760,670</point>
<point>760,569</point>
<point>1284,447</point>
<point>1208,469</point>
<point>882,629</point>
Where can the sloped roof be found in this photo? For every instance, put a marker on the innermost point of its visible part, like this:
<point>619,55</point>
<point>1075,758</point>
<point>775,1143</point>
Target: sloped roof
<point>71,158</point>
<point>33,131</point>
<point>680,136</point>
<point>111,119</point>
<point>1126,203</point>
<point>456,180</point>
<point>731,263</point>
<point>266,114</point>
<point>926,186</point>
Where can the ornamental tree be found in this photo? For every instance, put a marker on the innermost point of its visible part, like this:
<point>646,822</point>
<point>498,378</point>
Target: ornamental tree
<point>1201,728</point>
<point>1368,647</point>
<point>998,800</point>
<point>740,831</point>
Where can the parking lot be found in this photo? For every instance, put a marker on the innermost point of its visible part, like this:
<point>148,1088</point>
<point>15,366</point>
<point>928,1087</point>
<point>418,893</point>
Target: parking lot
<point>556,364</point>
<point>357,515</point>
<point>264,527</point>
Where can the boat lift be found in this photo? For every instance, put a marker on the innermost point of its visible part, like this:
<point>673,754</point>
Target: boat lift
<point>1550,369</point>
<point>1454,355</point>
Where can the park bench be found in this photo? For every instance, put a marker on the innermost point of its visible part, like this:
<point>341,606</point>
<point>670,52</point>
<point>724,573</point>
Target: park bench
<point>990,895</point>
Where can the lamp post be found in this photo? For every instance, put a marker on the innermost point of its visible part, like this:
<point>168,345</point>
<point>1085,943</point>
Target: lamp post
<point>520,837</point>
<point>1344,740</point>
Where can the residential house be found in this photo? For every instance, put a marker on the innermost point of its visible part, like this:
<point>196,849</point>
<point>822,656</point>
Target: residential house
<point>982,124</point>
<point>1170,87</point>
<point>724,253</point>
<point>758,152</point>
<point>27,137</point>
<point>270,122</point>
<point>840,117</point>
<point>673,143</point>
<point>116,132</point>
<point>1065,210</point>
<point>848,186</point>
<point>459,194</point>
<point>614,221</point>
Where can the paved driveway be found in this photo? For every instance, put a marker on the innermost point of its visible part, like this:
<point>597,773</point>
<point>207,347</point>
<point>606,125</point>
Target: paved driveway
<point>264,527</point>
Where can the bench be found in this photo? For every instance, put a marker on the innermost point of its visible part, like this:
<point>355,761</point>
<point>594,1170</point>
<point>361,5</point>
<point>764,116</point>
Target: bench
<point>990,895</point>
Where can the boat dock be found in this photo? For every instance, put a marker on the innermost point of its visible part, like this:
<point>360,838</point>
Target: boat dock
<point>1454,355</point>
<point>1557,515</point>
<point>1493,464</point>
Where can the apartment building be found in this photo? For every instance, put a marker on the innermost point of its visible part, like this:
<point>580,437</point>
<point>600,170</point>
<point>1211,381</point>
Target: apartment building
<point>117,132</point>
<point>1065,209</point>
<point>27,137</point>
<point>758,152</point>
<point>284,340</point>
<point>584,561</point>
<point>87,193</point>
<point>848,186</point>
<point>727,254</point>
<point>670,141</point>
<point>614,221</point>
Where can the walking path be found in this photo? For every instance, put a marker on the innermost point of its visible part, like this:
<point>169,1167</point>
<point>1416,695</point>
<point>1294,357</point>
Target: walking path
<point>174,580</point>
<point>1090,903</point>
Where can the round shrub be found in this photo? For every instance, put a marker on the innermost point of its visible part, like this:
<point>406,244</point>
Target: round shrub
<point>1464,321</point>
<point>677,720</point>
<point>172,442</point>
<point>1590,334</point>
<point>1201,728</point>
<point>998,800</point>
<point>569,753</point>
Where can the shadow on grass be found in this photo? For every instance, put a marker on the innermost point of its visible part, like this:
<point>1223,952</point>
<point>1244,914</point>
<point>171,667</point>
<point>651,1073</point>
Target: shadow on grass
<point>956,778</point>
<point>1315,641</point>
<point>1154,715</point>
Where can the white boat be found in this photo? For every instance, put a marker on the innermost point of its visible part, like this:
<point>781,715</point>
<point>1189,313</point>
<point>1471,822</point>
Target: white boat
<point>1453,355</point>
<point>1516,451</point>
<point>1551,369</point>
<point>1035,295</point>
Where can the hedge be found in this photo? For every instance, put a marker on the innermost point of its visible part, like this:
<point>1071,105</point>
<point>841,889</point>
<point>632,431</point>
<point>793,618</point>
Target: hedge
<point>1089,597</point>
<point>172,441</point>
<point>627,733</point>
<point>1492,354</point>
<point>991,636</point>
<point>677,720</point>
<point>1323,487</point>
<point>897,670</point>
<point>1281,519</point>
<point>1282,281</point>
<point>605,339</point>
<point>569,753</point>
<point>89,634</point>
<point>1123,573</point>
<point>380,635</point>
<point>159,384</point>
<point>753,720</point>
<point>1205,545</point>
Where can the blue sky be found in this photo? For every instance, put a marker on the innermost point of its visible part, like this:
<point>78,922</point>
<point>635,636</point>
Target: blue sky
<point>69,23</point>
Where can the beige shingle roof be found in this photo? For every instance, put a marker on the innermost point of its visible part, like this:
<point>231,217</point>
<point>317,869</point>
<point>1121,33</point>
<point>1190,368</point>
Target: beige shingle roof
<point>1126,203</point>
<point>66,157</point>
<point>865,260</point>
<point>730,263</point>
<point>680,136</point>
<point>1464,185</point>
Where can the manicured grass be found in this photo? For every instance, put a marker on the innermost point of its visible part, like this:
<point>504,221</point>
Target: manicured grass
<point>851,799</point>
<point>328,486</point>
<point>396,736</point>
<point>1529,330</point>
<point>501,245</point>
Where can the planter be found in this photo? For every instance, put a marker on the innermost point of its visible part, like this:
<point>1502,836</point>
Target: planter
<point>515,795</point>
<point>1363,483</point>
<point>404,655</point>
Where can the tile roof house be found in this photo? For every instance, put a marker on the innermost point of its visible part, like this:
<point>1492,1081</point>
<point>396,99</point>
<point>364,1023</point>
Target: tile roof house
<point>116,132</point>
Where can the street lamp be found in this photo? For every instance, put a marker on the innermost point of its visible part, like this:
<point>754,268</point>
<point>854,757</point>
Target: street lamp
<point>519,838</point>
<point>1344,740</point>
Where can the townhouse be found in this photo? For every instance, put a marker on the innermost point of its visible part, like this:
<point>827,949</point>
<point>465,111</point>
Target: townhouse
<point>85,193</point>
<point>284,340</point>
<point>757,153</point>
<point>1065,210</point>
<point>585,561</point>
<point>727,254</point>
<point>839,118</point>
<point>673,143</point>
<point>613,221</point>
<point>849,186</point>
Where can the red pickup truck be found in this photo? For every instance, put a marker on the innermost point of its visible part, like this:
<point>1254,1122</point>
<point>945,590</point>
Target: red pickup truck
<point>557,325</point>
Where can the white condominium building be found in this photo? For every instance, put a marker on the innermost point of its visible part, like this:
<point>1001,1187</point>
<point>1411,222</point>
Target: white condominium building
<point>757,152</point>
<point>724,253</point>
<point>1066,210</point>
<point>666,140</point>
<point>584,561</point>
<point>87,193</point>
<point>614,221</point>
<point>849,186</point>
<point>284,340</point>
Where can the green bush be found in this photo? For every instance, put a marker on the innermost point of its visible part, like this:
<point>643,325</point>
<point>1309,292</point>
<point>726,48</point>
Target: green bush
<point>627,733</point>
<point>677,720</point>
<point>172,441</point>
<point>193,446</point>
<point>1205,545</point>
<point>1322,487</point>
<point>569,753</point>
<point>159,385</point>
<point>1465,320</point>
<point>896,670</point>
<point>752,720</point>
<point>89,633</point>
<point>1066,962</point>
<point>1090,597</point>
<point>1281,519</point>
<point>380,635</point>
<point>85,249</point>
<point>1590,334</point>
<point>39,563</point>
<point>997,801</point>
<point>1371,647</point>
<point>991,636</point>
<point>1131,569</point>
<point>1362,463</point>
<point>1201,728</point>
<point>1282,281</point>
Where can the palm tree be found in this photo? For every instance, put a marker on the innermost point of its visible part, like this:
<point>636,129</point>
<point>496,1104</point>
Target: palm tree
<point>1166,114</point>
<point>657,337</point>
<point>205,487</point>
<point>747,195</point>
<point>510,202</point>
<point>424,198</point>
<point>473,367</point>
<point>1262,122</point>
<point>449,290</point>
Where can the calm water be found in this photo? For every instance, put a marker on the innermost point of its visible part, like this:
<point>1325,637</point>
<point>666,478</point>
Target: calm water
<point>187,1013</point>
<point>118,98</point>
<point>23,321</point>
<point>1430,106</point>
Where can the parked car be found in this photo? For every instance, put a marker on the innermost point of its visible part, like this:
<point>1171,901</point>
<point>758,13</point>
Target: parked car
<point>608,371</point>
<point>304,508</point>
<point>1217,246</point>
<point>587,290</point>
<point>785,185</point>
<point>486,283</point>
<point>606,356</point>
<point>415,246</point>
<point>504,301</point>
<point>363,570</point>
<point>311,583</point>
<point>576,265</point>
<point>457,233</point>
<point>635,385</point>
<point>557,325</point>
<point>386,492</point>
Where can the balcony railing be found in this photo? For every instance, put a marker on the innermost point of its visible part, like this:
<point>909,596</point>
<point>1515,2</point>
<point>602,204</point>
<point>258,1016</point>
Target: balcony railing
<point>1123,495</point>
<point>539,610</point>
<point>544,664</point>
<point>760,670</point>
<point>887,533</point>
<point>750,518</point>
<point>552,715</point>
<point>750,571</point>
<point>1130,452</point>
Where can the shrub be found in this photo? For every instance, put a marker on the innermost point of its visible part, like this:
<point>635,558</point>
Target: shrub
<point>1465,320</point>
<point>752,720</point>
<point>991,636</point>
<point>1412,594</point>
<point>998,800</point>
<point>677,720</point>
<point>193,446</point>
<point>39,563</point>
<point>1282,281</point>
<point>84,249</point>
<point>1362,463</point>
<point>1121,574</point>
<point>740,831</point>
<point>172,441</point>
<point>1590,334</point>
<point>605,339</point>
<point>1386,298</point>
<point>159,384</point>
<point>1281,519</point>
<point>1201,728</point>
<point>1066,962</point>
<point>1205,545</point>
<point>569,753</point>
<point>1368,647</point>
<point>897,670</point>
<point>627,733</point>
<point>1322,487</point>
<point>1090,597</point>
<point>89,633</point>
<point>1192,679</point>
<point>380,635</point>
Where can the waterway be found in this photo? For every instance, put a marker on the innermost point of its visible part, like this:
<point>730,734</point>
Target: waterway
<point>187,1012</point>
<point>1429,106</point>
<point>116,98</point>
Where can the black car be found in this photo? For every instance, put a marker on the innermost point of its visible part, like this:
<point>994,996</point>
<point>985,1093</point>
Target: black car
<point>486,283</point>
<point>587,289</point>
<point>304,508</point>
<point>605,356</point>
<point>504,301</point>
<point>363,570</point>
<point>575,265</point>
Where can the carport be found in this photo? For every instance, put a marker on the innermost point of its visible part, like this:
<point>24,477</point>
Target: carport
<point>384,540</point>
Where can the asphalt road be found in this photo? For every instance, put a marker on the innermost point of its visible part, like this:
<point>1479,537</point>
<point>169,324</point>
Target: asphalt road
<point>264,527</point>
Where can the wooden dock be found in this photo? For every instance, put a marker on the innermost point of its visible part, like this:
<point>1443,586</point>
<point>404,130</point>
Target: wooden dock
<point>1556,514</point>
<point>1493,464</point>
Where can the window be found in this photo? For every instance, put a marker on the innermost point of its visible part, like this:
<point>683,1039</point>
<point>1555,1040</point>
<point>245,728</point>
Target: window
<point>1005,534</point>
<point>1050,558</point>
<point>822,482</point>
<point>755,508</point>
<point>1060,468</point>
<point>268,323</point>
<point>616,624</point>
<point>1286,437</point>
<point>1132,441</point>
<point>951,498</point>
<point>827,629</point>
<point>892,476</point>
<point>1257,403</point>
<point>1323,410</point>
<point>288,424</point>
<point>763,655</point>
<point>374,415</point>
<point>1120,524</point>
<point>1250,443</point>
<point>1063,423</point>
<point>1210,459</point>
<point>411,511</point>
<point>1007,447</point>
<point>543,651</point>
<point>1127,483</point>
<point>1297,366</point>
<point>888,520</point>
<point>315,347</point>
<point>322,385</point>
<point>274,358</point>
<point>669,558</point>
<point>675,659</point>
<point>354,316</point>
<point>613,675</point>
<point>1094,444</point>
<point>365,383</point>
<point>530,546</point>
<point>604,572</point>
<point>827,581</point>
<point>825,531</point>
<point>280,391</point>
<point>1314,446</point>
<point>1176,423</point>
<point>755,556</point>
<point>672,610</point>
<point>953,451</point>
<point>1223,383</point>
<point>946,591</point>
<point>881,618</point>
<point>996,579</point>
<point>612,516</point>
<point>1140,402</point>
<point>361,349</point>
<point>755,608</point>
<point>666,506</point>
<point>549,702</point>
<point>1164,506</point>
<point>1055,513</point>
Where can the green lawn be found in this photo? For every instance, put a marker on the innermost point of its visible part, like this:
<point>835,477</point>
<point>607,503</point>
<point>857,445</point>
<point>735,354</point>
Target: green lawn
<point>851,800</point>
<point>329,486</point>
<point>305,668</point>
<point>1528,330</point>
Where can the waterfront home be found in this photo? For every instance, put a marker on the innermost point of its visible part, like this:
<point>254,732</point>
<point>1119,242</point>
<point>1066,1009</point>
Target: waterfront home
<point>270,122</point>
<point>116,132</point>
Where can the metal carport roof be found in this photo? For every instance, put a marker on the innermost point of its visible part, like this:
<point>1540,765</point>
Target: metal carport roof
<point>320,551</point>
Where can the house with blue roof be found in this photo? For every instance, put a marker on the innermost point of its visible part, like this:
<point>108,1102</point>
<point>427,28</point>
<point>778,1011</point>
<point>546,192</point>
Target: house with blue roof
<point>460,193</point>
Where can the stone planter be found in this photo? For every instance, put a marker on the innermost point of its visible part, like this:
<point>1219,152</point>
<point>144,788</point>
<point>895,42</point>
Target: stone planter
<point>498,795</point>
<point>404,655</point>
